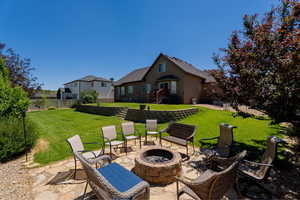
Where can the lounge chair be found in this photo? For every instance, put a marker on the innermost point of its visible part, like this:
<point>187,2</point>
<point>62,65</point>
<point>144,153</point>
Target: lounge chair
<point>109,135</point>
<point>210,185</point>
<point>225,141</point>
<point>77,146</point>
<point>151,128</point>
<point>180,134</point>
<point>257,173</point>
<point>129,132</point>
<point>112,182</point>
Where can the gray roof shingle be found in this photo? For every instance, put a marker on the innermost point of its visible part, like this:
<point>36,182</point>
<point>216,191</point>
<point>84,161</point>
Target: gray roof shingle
<point>189,68</point>
<point>136,75</point>
<point>90,78</point>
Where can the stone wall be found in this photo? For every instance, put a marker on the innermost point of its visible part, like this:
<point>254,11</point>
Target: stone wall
<point>161,116</point>
<point>136,115</point>
<point>106,111</point>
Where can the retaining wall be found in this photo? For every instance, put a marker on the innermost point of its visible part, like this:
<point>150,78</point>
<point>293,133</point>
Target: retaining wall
<point>106,111</point>
<point>136,115</point>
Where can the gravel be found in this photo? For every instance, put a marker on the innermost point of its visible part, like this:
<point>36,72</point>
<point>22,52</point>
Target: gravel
<point>14,182</point>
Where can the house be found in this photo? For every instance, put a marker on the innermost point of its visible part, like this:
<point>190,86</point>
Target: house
<point>101,85</point>
<point>167,80</point>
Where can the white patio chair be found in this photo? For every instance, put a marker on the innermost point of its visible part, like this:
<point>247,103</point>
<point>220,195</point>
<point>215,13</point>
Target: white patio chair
<point>93,157</point>
<point>129,132</point>
<point>109,135</point>
<point>151,128</point>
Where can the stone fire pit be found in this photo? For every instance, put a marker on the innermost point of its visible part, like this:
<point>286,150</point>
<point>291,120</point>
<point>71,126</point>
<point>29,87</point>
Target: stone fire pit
<point>158,165</point>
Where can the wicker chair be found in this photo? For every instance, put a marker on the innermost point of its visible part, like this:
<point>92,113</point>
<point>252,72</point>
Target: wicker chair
<point>109,135</point>
<point>151,128</point>
<point>129,133</point>
<point>225,141</point>
<point>210,185</point>
<point>77,146</point>
<point>258,172</point>
<point>108,182</point>
<point>219,163</point>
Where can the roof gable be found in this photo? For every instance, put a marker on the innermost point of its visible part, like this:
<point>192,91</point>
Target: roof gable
<point>134,76</point>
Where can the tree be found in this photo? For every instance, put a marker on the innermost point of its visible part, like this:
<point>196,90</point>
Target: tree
<point>20,71</point>
<point>261,64</point>
<point>13,101</point>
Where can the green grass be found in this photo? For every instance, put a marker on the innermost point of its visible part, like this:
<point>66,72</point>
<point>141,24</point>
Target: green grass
<point>56,126</point>
<point>152,106</point>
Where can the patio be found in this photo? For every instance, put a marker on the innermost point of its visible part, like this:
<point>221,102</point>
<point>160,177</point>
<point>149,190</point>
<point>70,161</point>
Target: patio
<point>55,181</point>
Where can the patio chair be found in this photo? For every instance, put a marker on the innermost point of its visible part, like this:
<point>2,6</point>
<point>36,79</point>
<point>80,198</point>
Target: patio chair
<point>210,185</point>
<point>114,182</point>
<point>225,141</point>
<point>219,163</point>
<point>129,132</point>
<point>180,134</point>
<point>109,135</point>
<point>151,128</point>
<point>258,172</point>
<point>77,146</point>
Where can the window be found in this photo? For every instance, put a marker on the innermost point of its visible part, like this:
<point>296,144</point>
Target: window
<point>92,84</point>
<point>103,84</point>
<point>123,91</point>
<point>163,85</point>
<point>148,88</point>
<point>75,84</point>
<point>162,67</point>
<point>130,89</point>
<point>173,87</point>
<point>118,91</point>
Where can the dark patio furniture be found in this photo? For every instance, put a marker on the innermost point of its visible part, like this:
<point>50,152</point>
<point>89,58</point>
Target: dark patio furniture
<point>91,156</point>
<point>210,185</point>
<point>225,141</point>
<point>258,173</point>
<point>180,134</point>
<point>113,181</point>
<point>219,163</point>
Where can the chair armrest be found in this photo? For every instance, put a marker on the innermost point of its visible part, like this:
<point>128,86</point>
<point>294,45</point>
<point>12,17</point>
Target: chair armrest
<point>86,151</point>
<point>204,139</point>
<point>256,163</point>
<point>106,158</point>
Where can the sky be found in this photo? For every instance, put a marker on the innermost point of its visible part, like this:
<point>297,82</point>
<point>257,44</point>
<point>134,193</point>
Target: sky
<point>69,39</point>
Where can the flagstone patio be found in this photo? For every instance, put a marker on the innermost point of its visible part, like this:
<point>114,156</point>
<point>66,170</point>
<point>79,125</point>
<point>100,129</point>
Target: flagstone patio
<point>55,181</point>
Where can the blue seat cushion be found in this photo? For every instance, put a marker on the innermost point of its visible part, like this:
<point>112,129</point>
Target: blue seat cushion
<point>119,177</point>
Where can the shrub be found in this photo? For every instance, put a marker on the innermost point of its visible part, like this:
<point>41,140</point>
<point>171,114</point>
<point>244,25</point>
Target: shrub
<point>51,108</point>
<point>89,96</point>
<point>12,142</point>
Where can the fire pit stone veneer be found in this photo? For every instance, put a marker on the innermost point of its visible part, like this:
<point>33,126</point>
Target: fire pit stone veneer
<point>158,165</point>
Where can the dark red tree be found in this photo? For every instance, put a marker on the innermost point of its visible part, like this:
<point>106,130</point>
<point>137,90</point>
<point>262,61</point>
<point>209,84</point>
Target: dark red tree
<point>261,64</point>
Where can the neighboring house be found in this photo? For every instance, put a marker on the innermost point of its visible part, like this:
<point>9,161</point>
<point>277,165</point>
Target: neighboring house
<point>103,86</point>
<point>167,80</point>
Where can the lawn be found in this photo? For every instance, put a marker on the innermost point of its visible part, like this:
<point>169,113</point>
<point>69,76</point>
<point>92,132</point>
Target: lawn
<point>152,106</point>
<point>56,126</point>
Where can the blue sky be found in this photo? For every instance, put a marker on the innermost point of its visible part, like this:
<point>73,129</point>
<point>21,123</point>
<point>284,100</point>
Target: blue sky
<point>68,39</point>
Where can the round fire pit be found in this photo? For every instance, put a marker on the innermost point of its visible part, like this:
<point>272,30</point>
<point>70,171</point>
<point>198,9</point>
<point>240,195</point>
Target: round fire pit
<point>158,165</point>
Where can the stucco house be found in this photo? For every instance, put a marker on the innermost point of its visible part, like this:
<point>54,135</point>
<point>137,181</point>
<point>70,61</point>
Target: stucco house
<point>103,86</point>
<point>167,80</point>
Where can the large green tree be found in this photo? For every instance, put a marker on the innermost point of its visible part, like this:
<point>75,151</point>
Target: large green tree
<point>13,100</point>
<point>261,65</point>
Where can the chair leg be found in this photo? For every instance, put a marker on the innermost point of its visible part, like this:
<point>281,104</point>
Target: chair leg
<point>75,168</point>
<point>177,189</point>
<point>110,150</point>
<point>83,197</point>
<point>187,149</point>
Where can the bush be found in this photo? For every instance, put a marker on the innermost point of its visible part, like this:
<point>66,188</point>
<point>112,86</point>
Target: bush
<point>51,108</point>
<point>88,96</point>
<point>12,141</point>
